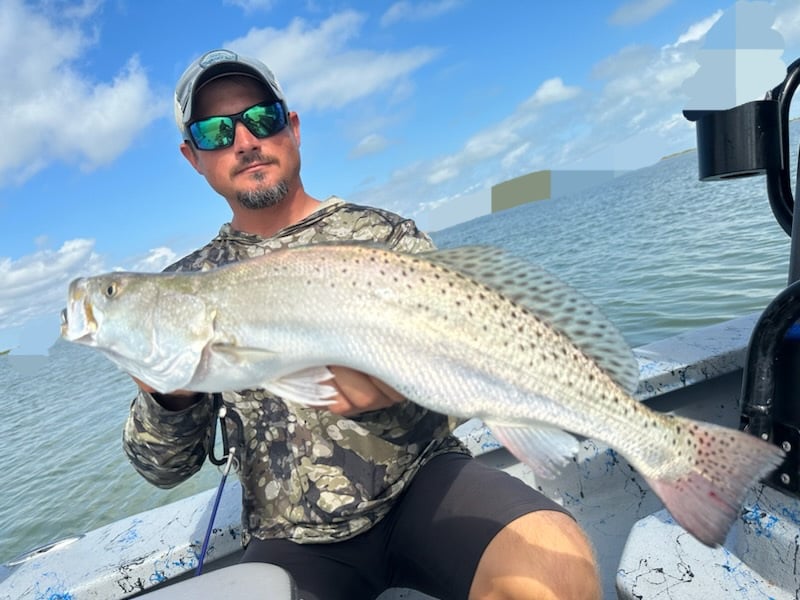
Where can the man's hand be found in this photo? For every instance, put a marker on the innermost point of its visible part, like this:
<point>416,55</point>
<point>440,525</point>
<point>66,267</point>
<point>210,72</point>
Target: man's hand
<point>359,392</point>
<point>177,400</point>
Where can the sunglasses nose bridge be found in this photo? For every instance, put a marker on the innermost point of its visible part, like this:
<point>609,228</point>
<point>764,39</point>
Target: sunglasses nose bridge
<point>243,137</point>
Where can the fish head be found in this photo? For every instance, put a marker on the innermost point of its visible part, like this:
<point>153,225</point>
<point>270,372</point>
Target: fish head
<point>153,326</point>
<point>100,311</point>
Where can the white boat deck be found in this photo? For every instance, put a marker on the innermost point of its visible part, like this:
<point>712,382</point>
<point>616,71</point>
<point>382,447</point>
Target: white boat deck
<point>696,374</point>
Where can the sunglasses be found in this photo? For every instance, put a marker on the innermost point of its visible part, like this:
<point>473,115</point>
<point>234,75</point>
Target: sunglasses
<point>262,120</point>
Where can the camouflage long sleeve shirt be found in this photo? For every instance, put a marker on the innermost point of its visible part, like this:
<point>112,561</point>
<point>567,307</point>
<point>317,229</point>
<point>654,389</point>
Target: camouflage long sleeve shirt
<point>307,474</point>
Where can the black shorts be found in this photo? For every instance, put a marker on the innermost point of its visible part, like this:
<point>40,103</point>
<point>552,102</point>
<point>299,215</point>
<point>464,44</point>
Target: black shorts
<point>431,541</point>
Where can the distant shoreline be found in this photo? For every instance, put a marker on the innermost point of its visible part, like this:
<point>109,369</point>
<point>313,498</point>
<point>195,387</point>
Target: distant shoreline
<point>4,352</point>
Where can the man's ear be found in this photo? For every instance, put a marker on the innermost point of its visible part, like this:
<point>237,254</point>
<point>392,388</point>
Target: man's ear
<point>294,124</point>
<point>190,154</point>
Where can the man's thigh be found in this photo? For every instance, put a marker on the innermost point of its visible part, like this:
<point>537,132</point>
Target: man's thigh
<point>444,522</point>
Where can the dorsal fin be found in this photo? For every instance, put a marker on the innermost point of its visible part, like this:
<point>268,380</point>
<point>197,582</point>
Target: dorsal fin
<point>550,299</point>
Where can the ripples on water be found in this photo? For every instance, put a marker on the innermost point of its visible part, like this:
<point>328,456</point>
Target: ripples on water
<point>657,250</point>
<point>63,469</point>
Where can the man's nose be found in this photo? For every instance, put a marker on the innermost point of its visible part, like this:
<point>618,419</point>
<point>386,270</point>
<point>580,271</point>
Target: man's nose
<point>243,139</point>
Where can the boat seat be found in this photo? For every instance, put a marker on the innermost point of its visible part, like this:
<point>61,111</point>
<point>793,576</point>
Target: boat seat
<point>243,580</point>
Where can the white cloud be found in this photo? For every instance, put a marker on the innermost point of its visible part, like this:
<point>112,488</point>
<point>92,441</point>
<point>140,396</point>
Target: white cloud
<point>504,137</point>
<point>251,6</point>
<point>787,22</point>
<point>155,260</point>
<point>370,144</point>
<point>628,116</point>
<point>698,31</point>
<point>514,157</point>
<point>638,11</point>
<point>550,92</point>
<point>417,11</point>
<point>36,285</point>
<point>35,288</point>
<point>42,93</point>
<point>319,71</point>
<point>740,59</point>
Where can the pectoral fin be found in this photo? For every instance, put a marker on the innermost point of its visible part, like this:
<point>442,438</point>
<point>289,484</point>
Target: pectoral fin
<point>241,354</point>
<point>544,448</point>
<point>306,387</point>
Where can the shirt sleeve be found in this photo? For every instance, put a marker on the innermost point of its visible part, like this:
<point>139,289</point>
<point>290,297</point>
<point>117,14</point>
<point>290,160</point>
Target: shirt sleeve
<point>167,447</point>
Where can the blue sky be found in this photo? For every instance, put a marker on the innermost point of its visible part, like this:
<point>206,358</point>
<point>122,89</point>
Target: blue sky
<point>413,106</point>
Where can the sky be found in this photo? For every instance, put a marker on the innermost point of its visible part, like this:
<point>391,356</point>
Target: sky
<point>415,106</point>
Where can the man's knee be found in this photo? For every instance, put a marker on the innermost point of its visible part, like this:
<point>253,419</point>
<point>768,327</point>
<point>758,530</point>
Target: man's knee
<point>543,554</point>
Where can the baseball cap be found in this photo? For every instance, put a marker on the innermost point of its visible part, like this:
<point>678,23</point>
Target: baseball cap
<point>212,65</point>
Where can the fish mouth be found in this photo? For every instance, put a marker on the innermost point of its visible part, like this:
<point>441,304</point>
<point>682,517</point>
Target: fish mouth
<point>78,322</point>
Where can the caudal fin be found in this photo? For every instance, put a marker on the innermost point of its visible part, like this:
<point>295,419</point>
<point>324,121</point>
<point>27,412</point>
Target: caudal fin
<point>726,463</point>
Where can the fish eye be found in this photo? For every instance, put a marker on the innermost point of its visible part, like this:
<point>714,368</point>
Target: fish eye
<point>111,289</point>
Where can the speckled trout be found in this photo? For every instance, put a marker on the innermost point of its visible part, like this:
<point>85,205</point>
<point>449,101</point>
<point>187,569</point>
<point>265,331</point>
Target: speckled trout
<point>468,332</point>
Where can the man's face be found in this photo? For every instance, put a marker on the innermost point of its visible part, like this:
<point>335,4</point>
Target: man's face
<point>252,173</point>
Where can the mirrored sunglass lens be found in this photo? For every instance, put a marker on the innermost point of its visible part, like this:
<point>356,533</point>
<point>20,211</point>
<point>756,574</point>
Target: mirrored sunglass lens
<point>264,120</point>
<point>212,133</point>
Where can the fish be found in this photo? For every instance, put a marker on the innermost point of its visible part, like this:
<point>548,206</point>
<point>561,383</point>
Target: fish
<point>469,332</point>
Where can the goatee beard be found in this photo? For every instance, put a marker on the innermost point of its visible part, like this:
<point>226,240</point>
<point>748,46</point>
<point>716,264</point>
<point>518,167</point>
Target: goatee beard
<point>263,197</point>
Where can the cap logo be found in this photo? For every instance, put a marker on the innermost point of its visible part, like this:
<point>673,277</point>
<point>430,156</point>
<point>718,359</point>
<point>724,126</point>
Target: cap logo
<point>217,56</point>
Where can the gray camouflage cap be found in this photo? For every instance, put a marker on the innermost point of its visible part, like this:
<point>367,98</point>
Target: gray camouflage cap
<point>210,66</point>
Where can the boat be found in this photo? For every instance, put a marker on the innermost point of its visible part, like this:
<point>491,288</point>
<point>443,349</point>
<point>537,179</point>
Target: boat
<point>743,373</point>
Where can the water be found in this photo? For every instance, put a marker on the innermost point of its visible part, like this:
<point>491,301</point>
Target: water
<point>657,250</point>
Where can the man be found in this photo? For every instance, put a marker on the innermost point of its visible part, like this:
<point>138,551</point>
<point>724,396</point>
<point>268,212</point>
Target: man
<point>373,492</point>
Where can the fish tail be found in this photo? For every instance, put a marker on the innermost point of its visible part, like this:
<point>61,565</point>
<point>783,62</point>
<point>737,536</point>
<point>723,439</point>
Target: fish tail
<point>723,465</point>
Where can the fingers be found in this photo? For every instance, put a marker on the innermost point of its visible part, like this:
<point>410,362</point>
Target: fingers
<point>359,392</point>
<point>143,385</point>
<point>152,390</point>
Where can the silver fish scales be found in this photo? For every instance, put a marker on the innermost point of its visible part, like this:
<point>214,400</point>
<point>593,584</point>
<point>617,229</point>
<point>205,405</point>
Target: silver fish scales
<point>469,332</point>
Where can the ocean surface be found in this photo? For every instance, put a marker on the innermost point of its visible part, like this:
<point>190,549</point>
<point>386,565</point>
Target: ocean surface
<point>657,250</point>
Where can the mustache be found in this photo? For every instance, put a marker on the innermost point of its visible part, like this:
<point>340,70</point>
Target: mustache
<point>256,157</point>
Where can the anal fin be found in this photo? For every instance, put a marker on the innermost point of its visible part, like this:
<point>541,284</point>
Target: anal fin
<point>544,448</point>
